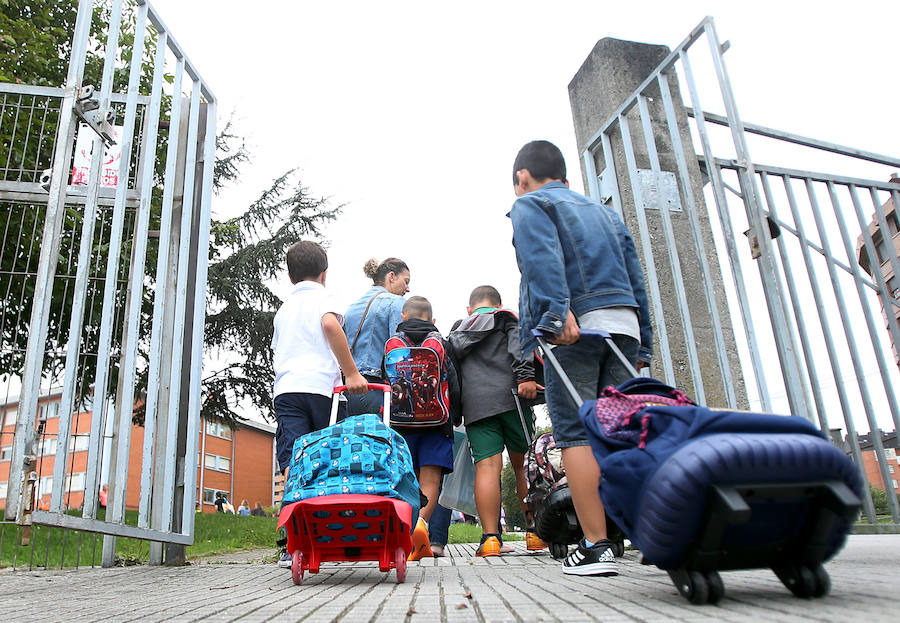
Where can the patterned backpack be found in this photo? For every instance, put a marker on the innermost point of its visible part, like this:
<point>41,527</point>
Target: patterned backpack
<point>357,455</point>
<point>614,413</point>
<point>543,464</point>
<point>420,392</point>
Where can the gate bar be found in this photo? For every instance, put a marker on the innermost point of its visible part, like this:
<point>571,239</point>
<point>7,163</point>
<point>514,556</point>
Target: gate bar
<point>674,262</point>
<point>802,140</point>
<point>19,506</point>
<point>647,248</point>
<point>813,386</point>
<point>193,429</point>
<point>772,287</point>
<point>827,337</point>
<point>67,401</point>
<point>161,304</point>
<point>139,256</point>
<point>734,260</point>
<point>115,512</point>
<point>699,246</point>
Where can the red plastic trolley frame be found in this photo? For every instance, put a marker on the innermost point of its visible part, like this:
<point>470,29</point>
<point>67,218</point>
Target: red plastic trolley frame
<point>348,527</point>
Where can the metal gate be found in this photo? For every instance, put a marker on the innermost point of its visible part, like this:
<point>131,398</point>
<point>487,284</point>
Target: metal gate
<point>807,280</point>
<point>105,245</point>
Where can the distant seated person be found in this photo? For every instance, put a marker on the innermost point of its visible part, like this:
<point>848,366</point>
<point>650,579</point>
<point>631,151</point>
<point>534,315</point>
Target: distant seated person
<point>220,502</point>
<point>258,511</point>
<point>244,508</point>
<point>104,495</point>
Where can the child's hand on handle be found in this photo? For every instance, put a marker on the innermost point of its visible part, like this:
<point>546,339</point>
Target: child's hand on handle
<point>357,384</point>
<point>570,333</point>
<point>529,389</point>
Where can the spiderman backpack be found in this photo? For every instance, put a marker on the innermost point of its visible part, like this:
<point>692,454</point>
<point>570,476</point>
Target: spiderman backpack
<point>420,392</point>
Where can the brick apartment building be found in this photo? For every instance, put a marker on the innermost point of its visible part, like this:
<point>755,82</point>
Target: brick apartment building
<point>887,244</point>
<point>238,462</point>
<point>870,461</point>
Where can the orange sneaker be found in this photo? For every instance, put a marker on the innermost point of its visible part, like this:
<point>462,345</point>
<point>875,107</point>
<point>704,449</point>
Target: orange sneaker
<point>490,547</point>
<point>421,545</point>
<point>533,542</point>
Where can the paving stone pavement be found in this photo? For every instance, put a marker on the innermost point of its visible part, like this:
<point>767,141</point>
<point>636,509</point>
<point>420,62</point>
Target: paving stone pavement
<point>459,588</point>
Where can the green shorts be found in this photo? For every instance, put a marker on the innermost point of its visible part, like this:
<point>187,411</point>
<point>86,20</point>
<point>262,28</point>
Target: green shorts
<point>489,436</point>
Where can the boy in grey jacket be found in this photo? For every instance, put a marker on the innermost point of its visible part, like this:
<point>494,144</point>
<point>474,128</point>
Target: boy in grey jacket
<point>490,364</point>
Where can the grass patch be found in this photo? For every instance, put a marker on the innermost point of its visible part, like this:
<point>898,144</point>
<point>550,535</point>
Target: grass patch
<point>469,533</point>
<point>214,533</point>
<point>57,548</point>
<point>218,533</point>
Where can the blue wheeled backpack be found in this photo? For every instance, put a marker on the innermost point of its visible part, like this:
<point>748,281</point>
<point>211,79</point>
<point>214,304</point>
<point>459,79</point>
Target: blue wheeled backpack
<point>699,490</point>
<point>358,455</point>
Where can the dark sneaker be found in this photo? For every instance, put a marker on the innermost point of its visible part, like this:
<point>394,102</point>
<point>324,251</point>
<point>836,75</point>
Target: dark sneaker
<point>596,560</point>
<point>285,560</point>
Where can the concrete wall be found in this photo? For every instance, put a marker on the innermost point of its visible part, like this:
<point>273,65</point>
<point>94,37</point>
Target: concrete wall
<point>606,79</point>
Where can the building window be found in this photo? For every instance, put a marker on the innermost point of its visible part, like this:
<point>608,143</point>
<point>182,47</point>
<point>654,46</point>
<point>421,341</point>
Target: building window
<point>892,222</point>
<point>75,482</point>
<point>219,463</point>
<point>4,489</point>
<point>890,469</point>
<point>44,485</point>
<point>5,454</point>
<point>209,495</point>
<point>894,484</point>
<point>48,446</point>
<point>48,410</point>
<point>9,417</point>
<point>218,429</point>
<point>79,443</point>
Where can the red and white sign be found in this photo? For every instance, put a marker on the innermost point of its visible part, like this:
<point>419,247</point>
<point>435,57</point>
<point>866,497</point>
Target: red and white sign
<point>112,157</point>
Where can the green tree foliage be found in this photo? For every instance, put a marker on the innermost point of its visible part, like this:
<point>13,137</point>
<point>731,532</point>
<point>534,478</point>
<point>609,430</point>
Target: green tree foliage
<point>879,499</point>
<point>246,252</point>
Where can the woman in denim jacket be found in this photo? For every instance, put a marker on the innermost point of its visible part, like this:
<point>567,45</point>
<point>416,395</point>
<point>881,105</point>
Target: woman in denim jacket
<point>370,322</point>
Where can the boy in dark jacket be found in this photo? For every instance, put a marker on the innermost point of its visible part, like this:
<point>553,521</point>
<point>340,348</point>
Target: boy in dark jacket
<point>431,446</point>
<point>486,348</point>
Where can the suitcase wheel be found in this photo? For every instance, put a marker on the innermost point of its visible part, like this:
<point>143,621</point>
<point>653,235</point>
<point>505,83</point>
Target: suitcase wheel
<point>698,587</point>
<point>400,564</point>
<point>559,550</point>
<point>805,581</point>
<point>297,567</point>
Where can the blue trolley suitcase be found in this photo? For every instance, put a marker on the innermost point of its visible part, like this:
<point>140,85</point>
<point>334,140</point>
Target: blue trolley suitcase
<point>699,490</point>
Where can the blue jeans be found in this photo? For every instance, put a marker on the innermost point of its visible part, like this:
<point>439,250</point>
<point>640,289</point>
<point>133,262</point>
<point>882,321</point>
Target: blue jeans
<point>372,402</point>
<point>590,365</point>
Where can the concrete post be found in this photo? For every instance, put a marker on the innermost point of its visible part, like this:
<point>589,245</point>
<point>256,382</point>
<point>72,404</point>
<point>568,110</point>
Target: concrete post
<point>607,78</point>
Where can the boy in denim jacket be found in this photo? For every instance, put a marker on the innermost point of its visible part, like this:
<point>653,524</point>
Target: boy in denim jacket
<point>579,269</point>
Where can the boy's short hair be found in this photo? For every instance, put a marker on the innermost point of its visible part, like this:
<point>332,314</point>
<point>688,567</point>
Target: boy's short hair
<point>417,307</point>
<point>543,160</point>
<point>485,293</point>
<point>306,260</point>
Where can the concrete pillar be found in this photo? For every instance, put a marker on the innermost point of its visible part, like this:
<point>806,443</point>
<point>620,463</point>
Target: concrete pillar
<point>607,78</point>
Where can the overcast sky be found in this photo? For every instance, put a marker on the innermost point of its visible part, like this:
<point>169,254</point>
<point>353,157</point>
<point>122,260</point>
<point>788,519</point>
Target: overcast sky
<point>411,113</point>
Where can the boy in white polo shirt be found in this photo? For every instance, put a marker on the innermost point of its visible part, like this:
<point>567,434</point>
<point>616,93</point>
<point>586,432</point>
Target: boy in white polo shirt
<point>310,352</point>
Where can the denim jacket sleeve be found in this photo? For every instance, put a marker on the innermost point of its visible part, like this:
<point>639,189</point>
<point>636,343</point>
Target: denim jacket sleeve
<point>636,277</point>
<point>539,253</point>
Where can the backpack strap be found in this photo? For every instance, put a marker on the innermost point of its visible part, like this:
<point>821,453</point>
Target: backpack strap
<point>363,319</point>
